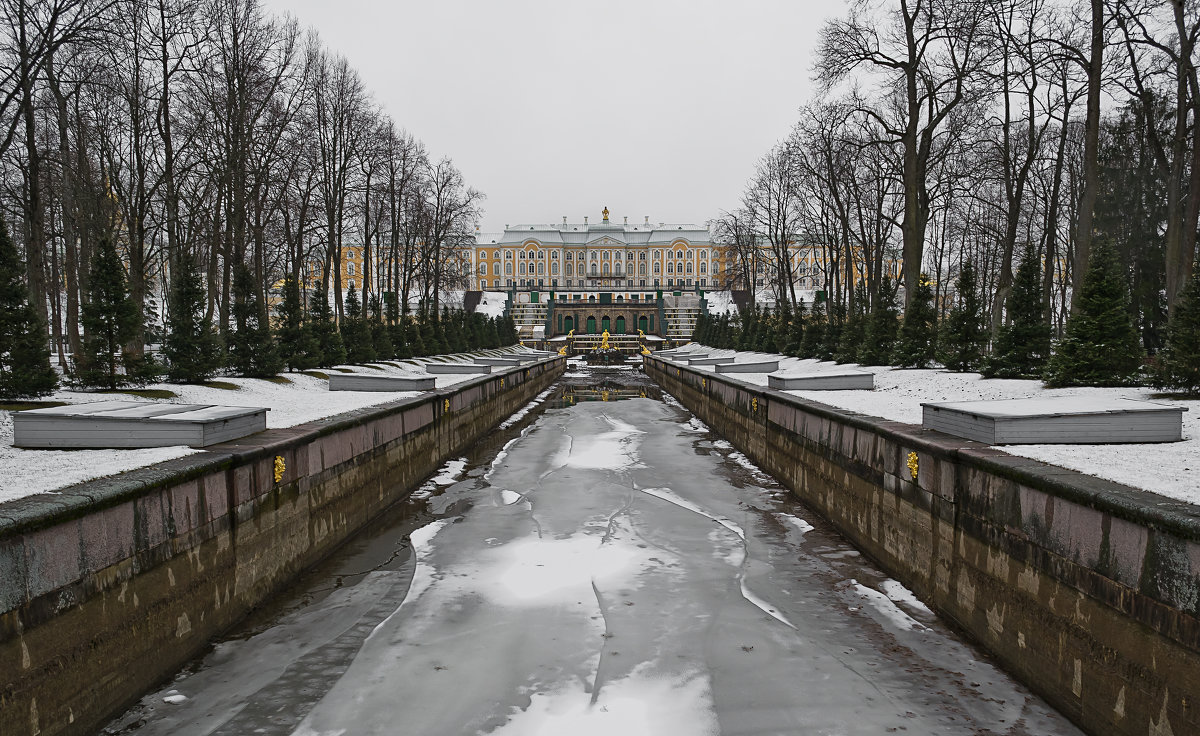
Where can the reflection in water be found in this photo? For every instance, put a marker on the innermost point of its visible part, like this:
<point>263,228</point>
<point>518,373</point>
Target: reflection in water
<point>570,394</point>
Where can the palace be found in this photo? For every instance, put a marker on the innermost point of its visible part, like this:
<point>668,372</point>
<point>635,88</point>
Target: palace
<point>575,260</point>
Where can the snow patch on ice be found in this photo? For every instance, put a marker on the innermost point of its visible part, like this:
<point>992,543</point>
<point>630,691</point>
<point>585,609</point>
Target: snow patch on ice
<point>450,472</point>
<point>886,606</point>
<point>612,450</point>
<point>767,608</point>
<point>508,498</point>
<point>534,571</point>
<point>799,523</point>
<point>642,704</point>
<point>423,574</point>
<point>896,591</point>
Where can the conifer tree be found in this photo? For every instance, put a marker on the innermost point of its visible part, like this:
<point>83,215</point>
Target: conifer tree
<point>25,369</point>
<point>325,330</point>
<point>416,343</point>
<point>356,334</point>
<point>851,341</point>
<point>191,347</point>
<point>834,322</point>
<point>1179,362</point>
<point>1101,346</point>
<point>298,346</point>
<point>963,338</point>
<point>883,324</point>
<point>1023,344</point>
<point>768,327</point>
<point>252,348</point>
<point>109,319</point>
<point>381,336</point>
<point>491,338</point>
<point>452,328</point>
<point>814,332</point>
<point>916,345</point>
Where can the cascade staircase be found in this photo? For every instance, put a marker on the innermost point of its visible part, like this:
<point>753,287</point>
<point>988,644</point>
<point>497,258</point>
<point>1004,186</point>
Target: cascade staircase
<point>530,320</point>
<point>681,314</point>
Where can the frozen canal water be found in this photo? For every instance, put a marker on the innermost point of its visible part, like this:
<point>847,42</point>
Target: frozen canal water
<point>597,567</point>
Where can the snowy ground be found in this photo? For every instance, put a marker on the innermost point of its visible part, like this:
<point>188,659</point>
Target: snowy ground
<point>1170,469</point>
<point>612,568</point>
<point>304,399</point>
<point>492,303</point>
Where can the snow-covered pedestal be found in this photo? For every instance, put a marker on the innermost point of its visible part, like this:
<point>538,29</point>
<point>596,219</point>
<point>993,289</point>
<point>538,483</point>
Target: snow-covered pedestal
<point>446,368</point>
<point>761,366</point>
<point>376,382</point>
<point>129,424</point>
<point>1072,420</point>
<point>497,361</point>
<point>829,381</point>
<point>705,360</point>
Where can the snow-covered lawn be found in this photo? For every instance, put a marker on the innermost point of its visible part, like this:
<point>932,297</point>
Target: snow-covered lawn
<point>1170,469</point>
<point>304,398</point>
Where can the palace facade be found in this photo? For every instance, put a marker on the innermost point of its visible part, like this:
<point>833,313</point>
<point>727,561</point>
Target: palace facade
<point>573,259</point>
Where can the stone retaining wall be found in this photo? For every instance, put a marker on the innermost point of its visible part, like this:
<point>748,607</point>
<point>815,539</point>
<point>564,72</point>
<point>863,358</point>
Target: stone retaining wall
<point>110,586</point>
<point>1086,590</point>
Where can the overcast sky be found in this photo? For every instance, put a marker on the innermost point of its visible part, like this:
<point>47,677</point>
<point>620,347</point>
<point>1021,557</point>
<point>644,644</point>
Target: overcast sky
<point>559,107</point>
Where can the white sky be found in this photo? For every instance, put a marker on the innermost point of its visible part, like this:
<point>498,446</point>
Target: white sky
<point>552,108</point>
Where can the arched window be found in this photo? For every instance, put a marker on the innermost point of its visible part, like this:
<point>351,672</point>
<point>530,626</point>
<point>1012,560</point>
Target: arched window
<point>554,255</point>
<point>605,324</point>
<point>570,270</point>
<point>591,321</point>
<point>541,269</point>
<point>657,269</point>
<point>606,269</point>
<point>617,269</point>
<point>483,269</point>
<point>595,269</point>
<point>521,268</point>
<point>350,269</point>
<point>689,267</point>
<point>553,269</point>
<point>629,255</point>
<point>620,327</point>
<point>643,325</point>
<point>508,255</point>
<point>703,267</point>
<point>567,257</point>
<point>670,267</point>
<point>679,254</point>
<point>703,255</point>
<point>495,269</point>
<point>641,269</point>
<point>508,271</point>
<point>496,255</point>
<point>716,267</point>
<point>642,256</point>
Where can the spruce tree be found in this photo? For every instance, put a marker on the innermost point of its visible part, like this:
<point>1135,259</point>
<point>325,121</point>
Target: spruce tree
<point>109,319</point>
<point>1179,362</point>
<point>25,369</point>
<point>1101,346</point>
<point>814,332</point>
<point>356,334</point>
<point>491,334</point>
<point>769,327</point>
<point>851,340</point>
<point>416,343</point>
<point>298,346</point>
<point>963,338</point>
<point>192,348</point>
<point>1023,344</point>
<point>917,344</point>
<point>795,332</point>
<point>252,348</point>
<point>883,324</point>
<point>381,335</point>
<point>329,340</point>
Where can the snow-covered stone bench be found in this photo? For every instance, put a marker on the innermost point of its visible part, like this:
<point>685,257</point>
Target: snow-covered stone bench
<point>1070,420</point>
<point>457,368</point>
<point>497,361</point>
<point>759,366</point>
<point>376,382</point>
<point>710,361</point>
<point>130,424</point>
<point>829,381</point>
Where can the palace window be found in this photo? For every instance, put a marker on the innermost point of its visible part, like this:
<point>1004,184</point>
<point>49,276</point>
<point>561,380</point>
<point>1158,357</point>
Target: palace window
<point>483,269</point>
<point>657,254</point>
<point>703,255</point>
<point>553,269</point>
<point>607,255</point>
<point>617,269</point>
<point>642,256</point>
<point>350,269</point>
<point>689,267</point>
<point>495,269</point>
<point>716,268</point>
<point>508,271</point>
<point>521,267</point>
<point>594,269</point>
<point>570,270</point>
<point>554,255</point>
<point>606,269</point>
<point>657,269</point>
<point>642,269</point>
<point>496,255</point>
<point>567,256</point>
<point>508,255</point>
<point>679,254</point>
<point>541,269</point>
<point>629,255</point>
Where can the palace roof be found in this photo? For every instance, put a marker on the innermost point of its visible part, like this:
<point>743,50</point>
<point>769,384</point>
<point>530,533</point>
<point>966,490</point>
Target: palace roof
<point>584,233</point>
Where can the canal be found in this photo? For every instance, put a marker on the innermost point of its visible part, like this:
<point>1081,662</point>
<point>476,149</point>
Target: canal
<point>602,564</point>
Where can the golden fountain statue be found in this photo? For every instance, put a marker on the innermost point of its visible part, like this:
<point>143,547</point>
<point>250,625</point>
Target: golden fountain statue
<point>604,340</point>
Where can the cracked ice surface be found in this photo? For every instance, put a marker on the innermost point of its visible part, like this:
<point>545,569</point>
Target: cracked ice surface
<point>612,569</point>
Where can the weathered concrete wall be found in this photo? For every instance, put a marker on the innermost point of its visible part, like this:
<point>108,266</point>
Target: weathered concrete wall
<point>1087,590</point>
<point>110,586</point>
